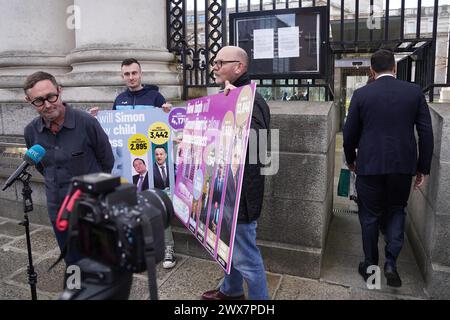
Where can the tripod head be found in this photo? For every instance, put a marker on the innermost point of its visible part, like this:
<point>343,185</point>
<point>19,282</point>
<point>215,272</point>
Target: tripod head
<point>98,282</point>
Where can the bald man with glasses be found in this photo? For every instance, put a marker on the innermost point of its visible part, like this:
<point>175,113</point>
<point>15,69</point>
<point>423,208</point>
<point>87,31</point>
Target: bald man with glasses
<point>230,71</point>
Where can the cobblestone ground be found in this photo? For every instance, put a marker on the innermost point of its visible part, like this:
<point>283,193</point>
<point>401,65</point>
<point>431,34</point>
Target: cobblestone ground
<point>192,276</point>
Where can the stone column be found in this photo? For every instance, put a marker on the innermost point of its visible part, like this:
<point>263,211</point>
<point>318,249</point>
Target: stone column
<point>34,35</point>
<point>111,31</point>
<point>444,95</point>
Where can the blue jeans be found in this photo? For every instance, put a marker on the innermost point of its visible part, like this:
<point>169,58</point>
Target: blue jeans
<point>247,264</point>
<point>168,237</point>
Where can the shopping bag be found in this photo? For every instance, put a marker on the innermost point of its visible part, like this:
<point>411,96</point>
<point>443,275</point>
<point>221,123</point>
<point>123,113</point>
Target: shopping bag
<point>344,183</point>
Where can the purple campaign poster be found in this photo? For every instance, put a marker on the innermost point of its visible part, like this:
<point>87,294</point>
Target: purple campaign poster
<point>210,168</point>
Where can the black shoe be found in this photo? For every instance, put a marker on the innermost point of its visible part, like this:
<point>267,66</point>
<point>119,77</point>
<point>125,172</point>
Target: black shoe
<point>392,276</point>
<point>362,269</point>
<point>217,295</point>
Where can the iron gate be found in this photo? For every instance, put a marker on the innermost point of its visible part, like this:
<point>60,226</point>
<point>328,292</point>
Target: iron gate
<point>197,29</point>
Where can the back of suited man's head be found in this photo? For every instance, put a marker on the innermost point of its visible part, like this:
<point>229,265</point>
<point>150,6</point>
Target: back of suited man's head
<point>382,61</point>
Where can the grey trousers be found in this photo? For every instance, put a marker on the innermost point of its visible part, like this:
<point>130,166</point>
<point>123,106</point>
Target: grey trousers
<point>168,237</point>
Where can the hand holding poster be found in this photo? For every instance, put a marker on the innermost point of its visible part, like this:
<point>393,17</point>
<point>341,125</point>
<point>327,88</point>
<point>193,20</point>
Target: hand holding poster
<point>210,168</point>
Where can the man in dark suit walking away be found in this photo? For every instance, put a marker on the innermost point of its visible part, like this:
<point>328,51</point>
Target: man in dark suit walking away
<point>380,125</point>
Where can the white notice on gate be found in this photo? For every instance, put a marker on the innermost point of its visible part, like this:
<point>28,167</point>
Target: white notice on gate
<point>288,42</point>
<point>263,44</point>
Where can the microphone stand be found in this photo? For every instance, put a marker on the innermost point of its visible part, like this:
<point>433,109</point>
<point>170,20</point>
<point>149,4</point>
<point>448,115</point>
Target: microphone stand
<point>27,207</point>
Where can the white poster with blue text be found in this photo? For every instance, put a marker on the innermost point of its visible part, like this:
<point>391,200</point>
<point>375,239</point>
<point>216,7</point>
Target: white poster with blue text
<point>142,144</point>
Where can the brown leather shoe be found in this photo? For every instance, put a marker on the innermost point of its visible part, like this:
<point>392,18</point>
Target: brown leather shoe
<point>217,295</point>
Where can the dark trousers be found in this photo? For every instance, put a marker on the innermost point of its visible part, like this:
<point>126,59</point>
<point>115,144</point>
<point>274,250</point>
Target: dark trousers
<point>71,256</point>
<point>382,199</point>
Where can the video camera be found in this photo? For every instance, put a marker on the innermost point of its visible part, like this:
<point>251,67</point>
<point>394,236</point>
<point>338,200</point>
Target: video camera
<point>119,232</point>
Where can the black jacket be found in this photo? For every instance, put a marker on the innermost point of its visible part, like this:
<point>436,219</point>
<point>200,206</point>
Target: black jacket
<point>145,185</point>
<point>380,124</point>
<point>147,97</point>
<point>80,147</point>
<point>252,192</point>
<point>158,181</point>
<point>228,207</point>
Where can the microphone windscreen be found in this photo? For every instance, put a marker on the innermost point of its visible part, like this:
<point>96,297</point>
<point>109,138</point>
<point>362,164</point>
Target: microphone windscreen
<point>34,155</point>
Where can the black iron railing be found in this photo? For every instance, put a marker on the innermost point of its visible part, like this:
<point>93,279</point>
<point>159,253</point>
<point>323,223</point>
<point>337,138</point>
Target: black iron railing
<point>198,31</point>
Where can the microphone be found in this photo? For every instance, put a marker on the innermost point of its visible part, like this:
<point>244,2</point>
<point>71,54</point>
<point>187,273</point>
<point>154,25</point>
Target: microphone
<point>32,157</point>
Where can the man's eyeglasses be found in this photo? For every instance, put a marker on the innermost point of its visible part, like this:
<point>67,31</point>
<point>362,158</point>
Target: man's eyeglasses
<point>40,101</point>
<point>220,63</point>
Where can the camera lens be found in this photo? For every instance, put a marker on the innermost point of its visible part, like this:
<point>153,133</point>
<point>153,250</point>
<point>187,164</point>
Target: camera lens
<point>161,201</point>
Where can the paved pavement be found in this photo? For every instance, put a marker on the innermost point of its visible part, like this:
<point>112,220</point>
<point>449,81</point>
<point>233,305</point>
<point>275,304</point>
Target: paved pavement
<point>192,276</point>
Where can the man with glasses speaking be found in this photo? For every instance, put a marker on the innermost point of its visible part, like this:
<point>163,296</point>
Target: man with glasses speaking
<point>74,142</point>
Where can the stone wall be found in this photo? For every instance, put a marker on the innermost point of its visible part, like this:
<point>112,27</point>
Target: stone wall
<point>298,200</point>
<point>428,226</point>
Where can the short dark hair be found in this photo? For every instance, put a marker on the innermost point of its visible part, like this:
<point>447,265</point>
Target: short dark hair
<point>160,147</point>
<point>31,80</point>
<point>130,61</point>
<point>383,60</point>
<point>138,159</point>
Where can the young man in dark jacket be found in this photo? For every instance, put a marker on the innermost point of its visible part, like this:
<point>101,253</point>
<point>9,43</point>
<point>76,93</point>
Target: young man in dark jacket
<point>139,96</point>
<point>230,70</point>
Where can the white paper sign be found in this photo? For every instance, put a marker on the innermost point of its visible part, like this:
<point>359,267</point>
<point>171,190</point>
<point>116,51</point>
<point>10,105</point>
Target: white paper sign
<point>263,47</point>
<point>288,42</point>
